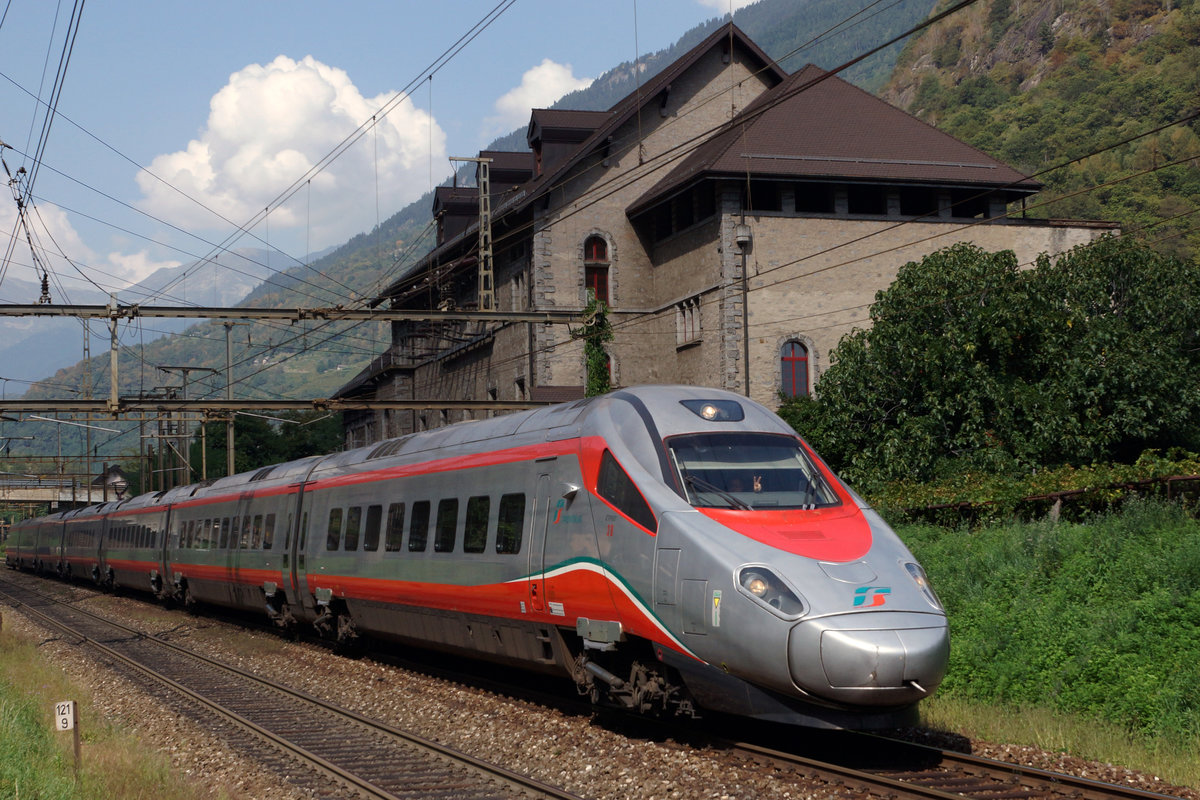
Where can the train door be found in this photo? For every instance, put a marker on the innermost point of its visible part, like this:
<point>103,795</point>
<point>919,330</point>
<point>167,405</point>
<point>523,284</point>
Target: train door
<point>161,578</point>
<point>542,514</point>
<point>238,560</point>
<point>298,576</point>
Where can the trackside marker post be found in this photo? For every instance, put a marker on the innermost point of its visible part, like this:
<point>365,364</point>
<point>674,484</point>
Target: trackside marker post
<point>66,718</point>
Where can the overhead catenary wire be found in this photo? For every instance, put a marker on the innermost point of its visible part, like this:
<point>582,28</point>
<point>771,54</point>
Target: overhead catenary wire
<point>430,77</point>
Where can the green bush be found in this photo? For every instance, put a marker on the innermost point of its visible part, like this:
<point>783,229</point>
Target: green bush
<point>1100,619</point>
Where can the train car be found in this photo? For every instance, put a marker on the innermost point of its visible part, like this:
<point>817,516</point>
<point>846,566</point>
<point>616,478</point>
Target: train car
<point>18,553</point>
<point>83,531</point>
<point>47,545</point>
<point>671,549</point>
<point>130,551</point>
<point>229,542</point>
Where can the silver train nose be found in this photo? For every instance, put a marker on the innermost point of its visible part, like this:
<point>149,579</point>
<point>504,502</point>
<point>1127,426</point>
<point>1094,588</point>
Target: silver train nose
<point>870,659</point>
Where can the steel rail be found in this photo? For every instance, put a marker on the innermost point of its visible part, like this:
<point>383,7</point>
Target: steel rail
<point>1007,780</point>
<point>521,783</point>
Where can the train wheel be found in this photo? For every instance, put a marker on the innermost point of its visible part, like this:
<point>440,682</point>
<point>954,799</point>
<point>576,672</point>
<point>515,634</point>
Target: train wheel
<point>190,605</point>
<point>349,643</point>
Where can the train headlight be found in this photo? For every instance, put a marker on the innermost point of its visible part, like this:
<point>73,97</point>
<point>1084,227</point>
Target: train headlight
<point>755,584</point>
<point>767,589</point>
<point>715,410</point>
<point>922,580</point>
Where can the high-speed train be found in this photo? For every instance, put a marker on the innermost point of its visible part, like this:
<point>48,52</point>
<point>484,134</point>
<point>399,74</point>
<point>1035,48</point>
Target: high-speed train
<point>671,548</point>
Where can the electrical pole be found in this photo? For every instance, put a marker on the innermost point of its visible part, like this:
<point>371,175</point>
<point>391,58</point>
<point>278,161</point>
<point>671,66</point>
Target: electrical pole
<point>229,396</point>
<point>183,449</point>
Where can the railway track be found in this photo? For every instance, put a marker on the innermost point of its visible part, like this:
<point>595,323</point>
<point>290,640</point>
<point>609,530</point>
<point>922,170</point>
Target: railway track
<point>318,746</point>
<point>902,770</point>
<point>884,768</point>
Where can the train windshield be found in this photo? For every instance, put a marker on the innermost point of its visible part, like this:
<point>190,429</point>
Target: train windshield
<point>748,471</point>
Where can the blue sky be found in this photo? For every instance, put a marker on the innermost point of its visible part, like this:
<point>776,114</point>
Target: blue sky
<point>227,104</point>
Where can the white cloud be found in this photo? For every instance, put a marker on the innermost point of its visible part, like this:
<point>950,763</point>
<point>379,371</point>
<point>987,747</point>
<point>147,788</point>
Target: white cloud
<point>540,87</point>
<point>266,127</point>
<point>725,6</point>
<point>52,230</point>
<point>135,267</point>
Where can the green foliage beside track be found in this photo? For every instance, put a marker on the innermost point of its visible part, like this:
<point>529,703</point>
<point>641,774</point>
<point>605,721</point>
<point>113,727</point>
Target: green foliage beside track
<point>1099,619</point>
<point>973,365</point>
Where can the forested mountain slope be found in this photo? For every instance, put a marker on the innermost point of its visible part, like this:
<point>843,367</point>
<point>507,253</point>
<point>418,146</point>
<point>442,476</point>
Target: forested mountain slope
<point>1072,82</point>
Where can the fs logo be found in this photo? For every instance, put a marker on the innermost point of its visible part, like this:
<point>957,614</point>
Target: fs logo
<point>562,503</point>
<point>871,595</point>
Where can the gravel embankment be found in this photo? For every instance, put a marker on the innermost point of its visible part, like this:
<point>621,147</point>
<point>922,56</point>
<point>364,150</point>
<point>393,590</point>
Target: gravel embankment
<point>569,751</point>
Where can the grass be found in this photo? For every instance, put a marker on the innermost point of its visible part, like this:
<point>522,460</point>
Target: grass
<point>37,761</point>
<point>1175,762</point>
<point>1080,637</point>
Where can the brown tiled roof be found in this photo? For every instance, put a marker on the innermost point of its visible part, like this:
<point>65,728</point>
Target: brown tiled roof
<point>814,125</point>
<point>508,159</point>
<point>568,119</point>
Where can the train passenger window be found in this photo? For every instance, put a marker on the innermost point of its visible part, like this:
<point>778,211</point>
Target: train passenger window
<point>511,523</point>
<point>353,525</point>
<point>223,542</point>
<point>617,488</point>
<point>256,537</point>
<point>476,530</point>
<point>246,529</point>
<point>268,531</point>
<point>395,527</point>
<point>333,534</point>
<point>418,531</point>
<point>447,525</point>
<point>371,533</point>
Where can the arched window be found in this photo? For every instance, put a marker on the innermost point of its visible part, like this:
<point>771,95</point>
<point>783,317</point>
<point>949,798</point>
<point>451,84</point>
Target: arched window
<point>793,362</point>
<point>595,249</point>
<point>595,267</point>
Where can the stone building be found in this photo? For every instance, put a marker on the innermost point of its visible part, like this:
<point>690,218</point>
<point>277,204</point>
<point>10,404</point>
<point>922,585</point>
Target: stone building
<point>737,219</point>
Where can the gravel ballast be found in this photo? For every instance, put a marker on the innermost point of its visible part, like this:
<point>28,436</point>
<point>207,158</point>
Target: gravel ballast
<point>568,750</point>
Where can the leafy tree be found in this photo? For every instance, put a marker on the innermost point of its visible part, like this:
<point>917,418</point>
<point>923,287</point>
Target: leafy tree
<point>971,363</point>
<point>260,442</point>
<point>596,331</point>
